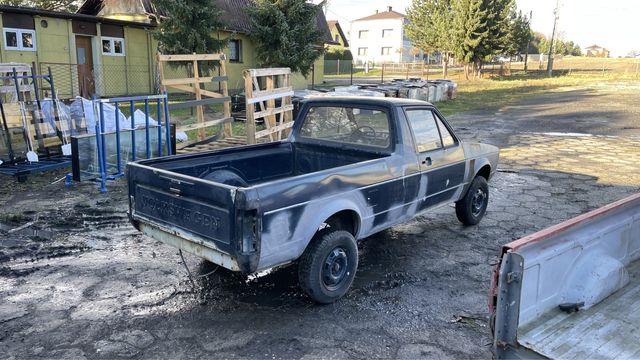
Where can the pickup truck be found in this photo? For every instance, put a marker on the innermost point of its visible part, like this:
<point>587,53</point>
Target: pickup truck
<point>571,291</point>
<point>350,167</point>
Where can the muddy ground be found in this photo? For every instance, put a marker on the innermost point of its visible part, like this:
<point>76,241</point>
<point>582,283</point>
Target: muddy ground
<point>77,281</point>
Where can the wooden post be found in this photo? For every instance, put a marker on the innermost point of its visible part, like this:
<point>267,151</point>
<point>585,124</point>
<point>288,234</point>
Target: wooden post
<point>161,70</point>
<point>199,108</point>
<point>227,128</point>
<point>270,119</point>
<point>288,115</point>
<point>250,122</point>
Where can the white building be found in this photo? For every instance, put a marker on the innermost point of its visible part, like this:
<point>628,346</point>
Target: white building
<point>380,38</point>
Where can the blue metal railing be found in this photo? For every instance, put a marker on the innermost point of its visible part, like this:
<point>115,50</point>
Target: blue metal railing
<point>100,133</point>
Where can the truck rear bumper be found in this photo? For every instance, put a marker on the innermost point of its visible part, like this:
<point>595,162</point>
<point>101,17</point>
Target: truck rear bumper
<point>199,249</point>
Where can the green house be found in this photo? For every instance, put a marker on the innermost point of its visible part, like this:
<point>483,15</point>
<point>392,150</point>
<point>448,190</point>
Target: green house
<point>107,47</point>
<point>88,55</point>
<point>240,50</point>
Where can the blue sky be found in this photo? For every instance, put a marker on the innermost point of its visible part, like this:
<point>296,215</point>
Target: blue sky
<point>614,24</point>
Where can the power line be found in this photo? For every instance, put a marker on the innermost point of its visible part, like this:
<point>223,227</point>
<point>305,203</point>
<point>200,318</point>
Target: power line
<point>340,16</point>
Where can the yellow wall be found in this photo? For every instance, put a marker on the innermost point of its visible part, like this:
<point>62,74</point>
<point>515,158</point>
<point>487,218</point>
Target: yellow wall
<point>55,47</point>
<point>16,56</point>
<point>234,69</point>
<point>334,32</point>
<point>131,73</point>
<point>53,41</point>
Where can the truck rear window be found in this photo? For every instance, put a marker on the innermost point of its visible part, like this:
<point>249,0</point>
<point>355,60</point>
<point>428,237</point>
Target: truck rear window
<point>349,125</point>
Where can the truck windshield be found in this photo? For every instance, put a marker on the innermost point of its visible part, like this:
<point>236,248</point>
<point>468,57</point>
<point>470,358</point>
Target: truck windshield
<point>349,125</point>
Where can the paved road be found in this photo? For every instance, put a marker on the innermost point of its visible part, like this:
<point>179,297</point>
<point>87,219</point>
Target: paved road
<point>81,283</point>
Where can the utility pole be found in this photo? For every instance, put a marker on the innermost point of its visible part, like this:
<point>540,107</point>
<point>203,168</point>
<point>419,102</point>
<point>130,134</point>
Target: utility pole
<point>553,36</point>
<point>526,54</point>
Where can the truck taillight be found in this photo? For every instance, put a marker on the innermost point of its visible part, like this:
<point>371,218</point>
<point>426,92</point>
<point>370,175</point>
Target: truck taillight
<point>250,232</point>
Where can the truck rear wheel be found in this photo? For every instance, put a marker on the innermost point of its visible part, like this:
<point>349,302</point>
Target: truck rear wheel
<point>226,177</point>
<point>328,265</point>
<point>472,207</point>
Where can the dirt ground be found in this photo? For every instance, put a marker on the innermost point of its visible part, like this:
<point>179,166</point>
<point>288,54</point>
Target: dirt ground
<point>77,281</point>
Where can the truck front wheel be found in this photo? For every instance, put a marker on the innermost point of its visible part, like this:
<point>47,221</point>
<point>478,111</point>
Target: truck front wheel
<point>328,265</point>
<point>471,208</point>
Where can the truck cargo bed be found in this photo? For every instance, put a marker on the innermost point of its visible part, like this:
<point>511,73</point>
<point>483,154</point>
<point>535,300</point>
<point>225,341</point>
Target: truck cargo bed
<point>608,329</point>
<point>590,262</point>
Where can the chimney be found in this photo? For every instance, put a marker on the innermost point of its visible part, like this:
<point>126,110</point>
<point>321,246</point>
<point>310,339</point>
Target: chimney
<point>389,8</point>
<point>376,11</point>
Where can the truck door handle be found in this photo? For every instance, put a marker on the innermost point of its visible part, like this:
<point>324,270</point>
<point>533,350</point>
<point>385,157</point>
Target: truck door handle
<point>427,161</point>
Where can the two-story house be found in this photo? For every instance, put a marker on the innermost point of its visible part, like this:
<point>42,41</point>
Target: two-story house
<point>380,38</point>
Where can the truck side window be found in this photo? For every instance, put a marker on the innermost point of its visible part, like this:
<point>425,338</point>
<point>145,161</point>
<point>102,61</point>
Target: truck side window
<point>447,138</point>
<point>425,129</point>
<point>347,125</point>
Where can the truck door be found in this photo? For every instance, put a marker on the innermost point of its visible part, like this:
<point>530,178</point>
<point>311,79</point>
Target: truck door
<point>440,155</point>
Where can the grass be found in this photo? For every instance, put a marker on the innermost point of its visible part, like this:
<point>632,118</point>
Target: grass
<point>493,93</point>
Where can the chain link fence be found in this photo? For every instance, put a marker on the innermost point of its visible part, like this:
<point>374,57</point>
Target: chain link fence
<point>103,80</point>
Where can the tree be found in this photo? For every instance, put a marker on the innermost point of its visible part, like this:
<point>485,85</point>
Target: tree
<point>471,29</point>
<point>52,5</point>
<point>415,51</point>
<point>190,27</point>
<point>429,27</point>
<point>285,34</point>
<point>519,35</point>
<point>577,50</point>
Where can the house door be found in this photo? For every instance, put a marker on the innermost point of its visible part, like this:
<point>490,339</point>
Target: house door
<point>84,54</point>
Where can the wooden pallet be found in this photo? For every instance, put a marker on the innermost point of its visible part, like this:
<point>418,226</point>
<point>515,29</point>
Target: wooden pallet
<point>193,85</point>
<point>216,145</point>
<point>276,119</point>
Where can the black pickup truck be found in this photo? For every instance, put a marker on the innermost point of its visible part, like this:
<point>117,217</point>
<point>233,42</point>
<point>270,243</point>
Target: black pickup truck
<point>351,167</point>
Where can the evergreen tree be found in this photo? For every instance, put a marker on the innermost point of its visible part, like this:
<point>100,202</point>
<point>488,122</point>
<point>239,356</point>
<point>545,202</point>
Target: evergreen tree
<point>191,27</point>
<point>429,27</point>
<point>52,5</point>
<point>286,34</point>
<point>519,35</point>
<point>471,30</point>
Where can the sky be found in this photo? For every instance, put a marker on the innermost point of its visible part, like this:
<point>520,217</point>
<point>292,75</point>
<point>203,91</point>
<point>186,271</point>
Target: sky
<point>614,24</point>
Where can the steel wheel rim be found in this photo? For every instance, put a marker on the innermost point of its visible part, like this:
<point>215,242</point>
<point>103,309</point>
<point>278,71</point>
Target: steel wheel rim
<point>478,201</point>
<point>334,268</point>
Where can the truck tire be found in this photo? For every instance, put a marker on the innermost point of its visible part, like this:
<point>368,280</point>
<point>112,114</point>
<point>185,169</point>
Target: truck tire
<point>472,207</point>
<point>328,265</point>
<point>226,177</point>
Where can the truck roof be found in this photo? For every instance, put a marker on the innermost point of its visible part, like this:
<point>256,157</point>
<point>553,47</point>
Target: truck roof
<point>365,100</point>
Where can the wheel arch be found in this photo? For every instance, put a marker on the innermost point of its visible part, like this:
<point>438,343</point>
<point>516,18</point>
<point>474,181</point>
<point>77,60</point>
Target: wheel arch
<point>482,167</point>
<point>347,219</point>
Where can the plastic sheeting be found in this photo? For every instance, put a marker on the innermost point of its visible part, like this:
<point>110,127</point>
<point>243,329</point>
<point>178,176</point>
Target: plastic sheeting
<point>82,108</point>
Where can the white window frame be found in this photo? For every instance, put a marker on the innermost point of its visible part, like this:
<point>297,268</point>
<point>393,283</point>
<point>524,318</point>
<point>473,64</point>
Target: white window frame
<point>382,52</point>
<point>387,33</point>
<point>112,41</point>
<point>363,53</point>
<point>239,58</point>
<point>363,32</point>
<point>19,33</point>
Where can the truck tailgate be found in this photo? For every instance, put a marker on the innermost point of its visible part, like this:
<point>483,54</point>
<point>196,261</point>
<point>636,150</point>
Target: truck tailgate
<point>181,204</point>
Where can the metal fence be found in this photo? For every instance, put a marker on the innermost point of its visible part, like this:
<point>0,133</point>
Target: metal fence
<point>342,72</point>
<point>341,67</point>
<point>73,80</point>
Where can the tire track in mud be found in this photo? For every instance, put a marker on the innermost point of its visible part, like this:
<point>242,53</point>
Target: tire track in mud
<point>60,233</point>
